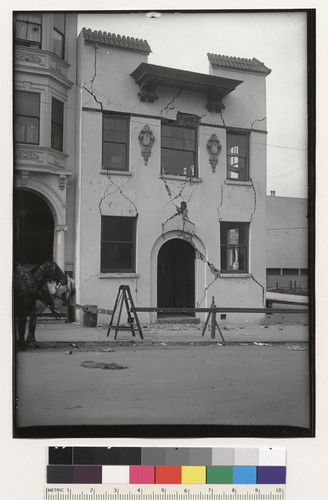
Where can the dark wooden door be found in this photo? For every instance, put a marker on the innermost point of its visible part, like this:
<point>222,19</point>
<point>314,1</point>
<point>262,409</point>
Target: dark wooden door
<point>33,229</point>
<point>176,275</point>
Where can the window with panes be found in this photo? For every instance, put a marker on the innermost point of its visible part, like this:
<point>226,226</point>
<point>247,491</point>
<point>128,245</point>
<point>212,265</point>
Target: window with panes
<point>26,117</point>
<point>237,156</point>
<point>58,35</point>
<point>178,150</point>
<point>118,244</point>
<point>234,246</point>
<point>57,124</point>
<point>115,142</point>
<point>28,30</point>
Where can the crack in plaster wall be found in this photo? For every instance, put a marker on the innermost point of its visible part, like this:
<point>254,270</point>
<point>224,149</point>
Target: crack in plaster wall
<point>169,106</point>
<point>119,189</point>
<point>255,201</point>
<point>183,212</point>
<point>222,118</point>
<point>250,221</point>
<point>91,82</point>
<point>221,202</point>
<point>172,198</point>
<point>258,120</point>
<point>262,287</point>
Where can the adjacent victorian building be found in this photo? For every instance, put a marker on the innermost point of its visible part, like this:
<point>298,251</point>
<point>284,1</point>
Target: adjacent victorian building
<point>44,137</point>
<point>170,179</point>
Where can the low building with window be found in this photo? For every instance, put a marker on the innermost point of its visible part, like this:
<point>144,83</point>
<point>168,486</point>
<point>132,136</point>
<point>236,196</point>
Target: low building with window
<point>286,243</point>
<point>170,179</point>
<point>44,137</point>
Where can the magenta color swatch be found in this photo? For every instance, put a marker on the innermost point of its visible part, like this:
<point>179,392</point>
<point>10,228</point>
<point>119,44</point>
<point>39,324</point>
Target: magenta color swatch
<point>142,474</point>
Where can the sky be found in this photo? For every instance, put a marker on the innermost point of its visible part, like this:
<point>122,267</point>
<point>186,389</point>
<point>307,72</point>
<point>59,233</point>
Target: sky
<point>182,40</point>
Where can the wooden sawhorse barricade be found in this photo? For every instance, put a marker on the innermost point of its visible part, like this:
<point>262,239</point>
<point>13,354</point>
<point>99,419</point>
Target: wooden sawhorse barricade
<point>214,324</point>
<point>124,298</point>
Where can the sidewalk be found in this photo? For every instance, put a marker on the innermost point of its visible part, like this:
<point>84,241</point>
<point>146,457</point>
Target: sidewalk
<point>172,334</point>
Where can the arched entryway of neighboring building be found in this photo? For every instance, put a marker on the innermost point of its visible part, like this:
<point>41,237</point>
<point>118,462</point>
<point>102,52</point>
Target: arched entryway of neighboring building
<point>176,274</point>
<point>33,228</point>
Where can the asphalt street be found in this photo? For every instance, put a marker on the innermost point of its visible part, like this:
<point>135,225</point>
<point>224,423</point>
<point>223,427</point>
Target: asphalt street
<point>245,383</point>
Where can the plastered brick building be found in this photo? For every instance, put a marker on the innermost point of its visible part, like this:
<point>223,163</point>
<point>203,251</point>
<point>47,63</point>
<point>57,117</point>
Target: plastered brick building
<point>170,189</point>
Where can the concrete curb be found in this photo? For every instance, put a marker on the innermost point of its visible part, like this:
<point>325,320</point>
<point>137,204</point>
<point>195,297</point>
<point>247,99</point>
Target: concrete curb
<point>101,345</point>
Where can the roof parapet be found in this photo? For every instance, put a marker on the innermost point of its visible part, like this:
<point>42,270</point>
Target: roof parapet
<point>238,64</point>
<point>116,41</point>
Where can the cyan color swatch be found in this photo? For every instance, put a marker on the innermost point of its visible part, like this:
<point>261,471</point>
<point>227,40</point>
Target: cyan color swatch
<point>244,475</point>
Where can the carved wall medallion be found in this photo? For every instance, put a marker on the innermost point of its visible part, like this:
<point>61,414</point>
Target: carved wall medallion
<point>188,119</point>
<point>146,139</point>
<point>213,147</point>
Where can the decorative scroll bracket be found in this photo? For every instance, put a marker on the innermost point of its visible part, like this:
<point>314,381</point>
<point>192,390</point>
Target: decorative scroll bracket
<point>213,147</point>
<point>146,139</point>
<point>214,103</point>
<point>63,181</point>
<point>147,93</point>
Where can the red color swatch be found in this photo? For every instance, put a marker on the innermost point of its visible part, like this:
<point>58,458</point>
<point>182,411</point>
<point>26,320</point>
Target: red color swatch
<point>167,474</point>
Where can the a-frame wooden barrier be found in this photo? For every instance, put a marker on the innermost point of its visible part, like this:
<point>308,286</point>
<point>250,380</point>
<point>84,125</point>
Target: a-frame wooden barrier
<point>214,323</point>
<point>124,298</point>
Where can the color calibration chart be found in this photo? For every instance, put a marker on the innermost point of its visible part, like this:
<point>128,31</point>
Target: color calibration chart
<point>132,473</point>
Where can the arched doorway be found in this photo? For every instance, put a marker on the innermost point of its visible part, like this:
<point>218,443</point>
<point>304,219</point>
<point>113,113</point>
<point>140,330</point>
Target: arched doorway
<point>176,274</point>
<point>33,228</point>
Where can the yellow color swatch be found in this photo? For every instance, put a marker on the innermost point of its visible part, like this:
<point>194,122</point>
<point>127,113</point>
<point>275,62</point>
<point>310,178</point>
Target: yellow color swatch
<point>193,474</point>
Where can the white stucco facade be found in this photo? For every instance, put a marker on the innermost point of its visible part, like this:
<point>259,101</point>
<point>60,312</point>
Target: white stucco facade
<point>155,199</point>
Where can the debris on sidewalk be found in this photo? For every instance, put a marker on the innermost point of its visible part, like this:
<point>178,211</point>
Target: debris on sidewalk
<point>297,348</point>
<point>260,343</point>
<point>103,366</point>
<point>107,350</point>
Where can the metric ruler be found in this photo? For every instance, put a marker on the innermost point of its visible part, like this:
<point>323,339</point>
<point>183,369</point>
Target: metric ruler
<point>164,492</point>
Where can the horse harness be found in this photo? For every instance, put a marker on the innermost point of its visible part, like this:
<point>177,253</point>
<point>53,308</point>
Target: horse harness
<point>24,280</point>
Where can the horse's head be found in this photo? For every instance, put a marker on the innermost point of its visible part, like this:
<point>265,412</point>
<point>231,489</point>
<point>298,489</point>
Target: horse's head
<point>60,276</point>
<point>65,293</point>
<point>53,272</point>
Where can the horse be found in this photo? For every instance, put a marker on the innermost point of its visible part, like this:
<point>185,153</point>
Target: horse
<point>52,296</point>
<point>30,286</point>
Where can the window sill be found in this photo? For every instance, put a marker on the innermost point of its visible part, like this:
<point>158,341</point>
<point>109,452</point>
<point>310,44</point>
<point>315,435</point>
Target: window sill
<point>118,275</point>
<point>180,178</point>
<point>234,275</point>
<point>238,183</point>
<point>115,172</point>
